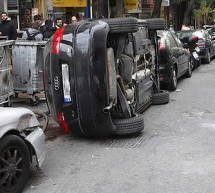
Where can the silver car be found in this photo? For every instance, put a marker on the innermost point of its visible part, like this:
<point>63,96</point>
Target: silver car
<point>21,139</point>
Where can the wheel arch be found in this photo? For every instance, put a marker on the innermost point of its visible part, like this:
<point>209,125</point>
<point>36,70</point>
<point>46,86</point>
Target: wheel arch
<point>175,65</point>
<point>27,143</point>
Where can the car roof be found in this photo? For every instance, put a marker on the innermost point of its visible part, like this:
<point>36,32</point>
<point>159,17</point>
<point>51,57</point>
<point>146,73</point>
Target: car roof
<point>161,33</point>
<point>197,32</point>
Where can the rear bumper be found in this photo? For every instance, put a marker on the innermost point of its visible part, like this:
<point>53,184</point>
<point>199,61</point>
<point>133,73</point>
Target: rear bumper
<point>165,73</point>
<point>203,53</point>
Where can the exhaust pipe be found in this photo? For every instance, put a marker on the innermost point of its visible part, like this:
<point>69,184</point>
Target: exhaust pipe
<point>107,108</point>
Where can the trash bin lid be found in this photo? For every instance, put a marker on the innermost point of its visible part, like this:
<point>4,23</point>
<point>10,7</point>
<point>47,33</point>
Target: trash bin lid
<point>6,42</point>
<point>30,43</point>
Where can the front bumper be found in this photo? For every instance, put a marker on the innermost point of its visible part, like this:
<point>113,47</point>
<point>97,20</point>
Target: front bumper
<point>37,140</point>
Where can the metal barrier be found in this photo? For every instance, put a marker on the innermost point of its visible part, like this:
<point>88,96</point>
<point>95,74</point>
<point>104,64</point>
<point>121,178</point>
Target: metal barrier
<point>28,60</point>
<point>6,83</point>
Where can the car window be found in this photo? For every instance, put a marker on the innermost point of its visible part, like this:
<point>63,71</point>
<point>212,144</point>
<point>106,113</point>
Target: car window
<point>199,34</point>
<point>178,42</point>
<point>170,41</point>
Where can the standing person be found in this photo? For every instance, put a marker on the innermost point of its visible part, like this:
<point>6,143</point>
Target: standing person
<point>58,23</point>
<point>47,30</point>
<point>38,18</point>
<point>33,33</point>
<point>73,19</point>
<point>7,28</point>
<point>80,16</point>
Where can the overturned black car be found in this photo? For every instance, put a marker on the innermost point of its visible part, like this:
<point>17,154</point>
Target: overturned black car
<point>101,74</point>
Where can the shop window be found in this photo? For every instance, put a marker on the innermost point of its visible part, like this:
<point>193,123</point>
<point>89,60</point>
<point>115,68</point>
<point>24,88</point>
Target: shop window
<point>25,8</point>
<point>12,6</point>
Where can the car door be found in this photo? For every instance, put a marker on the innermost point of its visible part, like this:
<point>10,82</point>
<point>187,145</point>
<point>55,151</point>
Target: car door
<point>208,42</point>
<point>212,43</point>
<point>177,53</point>
<point>186,54</point>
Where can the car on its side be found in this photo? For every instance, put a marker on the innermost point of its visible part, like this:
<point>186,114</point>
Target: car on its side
<point>205,43</point>
<point>100,75</point>
<point>174,60</point>
<point>21,139</point>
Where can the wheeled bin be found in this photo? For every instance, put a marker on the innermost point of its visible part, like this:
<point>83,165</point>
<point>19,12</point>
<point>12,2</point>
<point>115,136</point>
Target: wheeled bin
<point>27,68</point>
<point>6,82</point>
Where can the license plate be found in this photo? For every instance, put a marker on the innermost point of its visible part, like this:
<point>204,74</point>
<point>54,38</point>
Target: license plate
<point>195,55</point>
<point>66,83</point>
<point>197,49</point>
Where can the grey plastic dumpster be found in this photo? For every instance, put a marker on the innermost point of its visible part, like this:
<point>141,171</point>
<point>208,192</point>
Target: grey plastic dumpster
<point>6,82</point>
<point>27,68</point>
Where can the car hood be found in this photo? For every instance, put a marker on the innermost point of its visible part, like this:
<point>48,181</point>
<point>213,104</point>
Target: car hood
<point>17,118</point>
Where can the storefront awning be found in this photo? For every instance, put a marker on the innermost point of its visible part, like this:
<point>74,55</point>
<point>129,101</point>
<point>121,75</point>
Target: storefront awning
<point>69,3</point>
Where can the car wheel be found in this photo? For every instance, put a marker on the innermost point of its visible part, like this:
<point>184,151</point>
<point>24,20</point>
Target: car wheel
<point>14,164</point>
<point>173,82</point>
<point>122,25</point>
<point>155,23</point>
<point>129,126</point>
<point>193,63</point>
<point>198,63</point>
<point>208,57</point>
<point>188,74</point>
<point>160,98</point>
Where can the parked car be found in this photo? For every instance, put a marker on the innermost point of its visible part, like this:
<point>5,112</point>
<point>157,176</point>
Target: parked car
<point>205,43</point>
<point>174,59</point>
<point>21,138</point>
<point>100,74</point>
<point>191,44</point>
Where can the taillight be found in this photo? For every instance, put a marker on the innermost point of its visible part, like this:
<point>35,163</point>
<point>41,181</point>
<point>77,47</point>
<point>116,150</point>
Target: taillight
<point>195,38</point>
<point>161,44</point>
<point>62,122</point>
<point>58,36</point>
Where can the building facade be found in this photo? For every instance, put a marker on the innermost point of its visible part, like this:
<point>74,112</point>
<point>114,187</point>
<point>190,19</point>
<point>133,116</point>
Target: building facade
<point>22,11</point>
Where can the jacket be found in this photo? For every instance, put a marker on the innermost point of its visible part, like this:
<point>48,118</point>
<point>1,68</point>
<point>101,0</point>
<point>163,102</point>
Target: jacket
<point>7,28</point>
<point>38,37</point>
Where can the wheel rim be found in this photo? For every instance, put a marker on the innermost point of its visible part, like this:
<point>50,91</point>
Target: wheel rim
<point>174,78</point>
<point>192,61</point>
<point>190,67</point>
<point>11,168</point>
<point>209,58</point>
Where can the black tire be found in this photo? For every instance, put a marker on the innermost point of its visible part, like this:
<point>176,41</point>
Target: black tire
<point>13,172</point>
<point>198,62</point>
<point>172,85</point>
<point>188,74</point>
<point>36,102</point>
<point>122,25</point>
<point>193,63</point>
<point>129,126</point>
<point>155,23</point>
<point>208,57</point>
<point>160,98</point>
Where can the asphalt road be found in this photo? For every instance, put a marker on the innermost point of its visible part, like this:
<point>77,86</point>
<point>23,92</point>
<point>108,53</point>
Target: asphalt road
<point>174,154</point>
